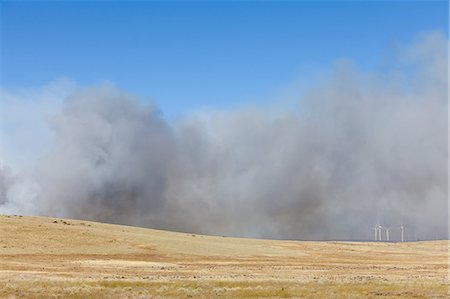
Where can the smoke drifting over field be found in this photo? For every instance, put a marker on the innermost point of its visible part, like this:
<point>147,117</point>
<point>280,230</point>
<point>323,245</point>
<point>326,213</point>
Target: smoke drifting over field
<point>360,149</point>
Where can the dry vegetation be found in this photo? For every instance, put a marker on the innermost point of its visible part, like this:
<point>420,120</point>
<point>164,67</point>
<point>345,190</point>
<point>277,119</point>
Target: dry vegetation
<point>47,257</point>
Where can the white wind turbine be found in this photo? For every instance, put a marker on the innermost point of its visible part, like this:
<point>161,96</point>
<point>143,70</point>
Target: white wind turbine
<point>387,233</point>
<point>375,231</point>
<point>380,230</point>
<point>402,233</point>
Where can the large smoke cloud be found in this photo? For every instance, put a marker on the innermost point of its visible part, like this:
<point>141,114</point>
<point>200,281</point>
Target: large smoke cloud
<point>361,149</point>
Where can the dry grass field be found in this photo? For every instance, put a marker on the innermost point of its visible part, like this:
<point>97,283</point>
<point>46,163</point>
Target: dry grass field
<point>51,257</point>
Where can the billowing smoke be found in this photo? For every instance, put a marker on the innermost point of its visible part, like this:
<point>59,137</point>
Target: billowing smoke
<point>6,180</point>
<point>360,149</point>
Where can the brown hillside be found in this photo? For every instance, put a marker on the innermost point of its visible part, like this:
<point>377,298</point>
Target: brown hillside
<point>47,257</point>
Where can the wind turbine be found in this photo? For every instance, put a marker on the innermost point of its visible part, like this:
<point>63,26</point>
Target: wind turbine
<point>375,230</point>
<point>402,233</point>
<point>387,233</point>
<point>380,230</point>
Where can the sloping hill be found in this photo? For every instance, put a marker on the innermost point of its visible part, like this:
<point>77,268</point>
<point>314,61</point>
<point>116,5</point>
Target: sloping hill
<point>42,257</point>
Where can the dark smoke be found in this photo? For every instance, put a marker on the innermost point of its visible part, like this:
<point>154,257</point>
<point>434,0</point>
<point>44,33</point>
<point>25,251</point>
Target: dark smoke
<point>361,149</point>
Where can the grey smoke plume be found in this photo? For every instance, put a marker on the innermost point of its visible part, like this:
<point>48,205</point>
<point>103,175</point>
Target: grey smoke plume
<point>360,149</point>
<point>6,180</point>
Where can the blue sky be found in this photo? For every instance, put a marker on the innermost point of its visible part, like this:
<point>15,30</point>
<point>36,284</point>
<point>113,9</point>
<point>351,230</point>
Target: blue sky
<point>188,55</point>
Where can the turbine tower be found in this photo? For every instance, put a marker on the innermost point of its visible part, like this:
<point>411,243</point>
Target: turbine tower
<point>375,231</point>
<point>380,231</point>
<point>402,233</point>
<point>387,233</point>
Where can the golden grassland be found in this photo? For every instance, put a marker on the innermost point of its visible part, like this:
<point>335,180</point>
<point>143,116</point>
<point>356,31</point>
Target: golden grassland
<point>50,257</point>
